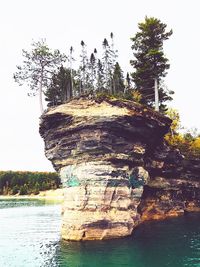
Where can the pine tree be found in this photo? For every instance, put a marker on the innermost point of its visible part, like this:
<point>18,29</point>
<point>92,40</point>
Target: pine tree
<point>100,77</point>
<point>92,70</point>
<point>84,68</point>
<point>96,66</point>
<point>150,62</point>
<point>107,63</point>
<point>128,82</point>
<point>95,53</point>
<point>113,52</point>
<point>118,80</point>
<point>71,60</point>
<point>78,85</point>
<point>60,89</point>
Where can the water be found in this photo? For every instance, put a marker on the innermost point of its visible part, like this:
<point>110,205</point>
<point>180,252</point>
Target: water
<point>30,237</point>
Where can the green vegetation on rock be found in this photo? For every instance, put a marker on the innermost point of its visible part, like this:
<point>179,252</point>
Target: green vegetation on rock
<point>188,142</point>
<point>45,70</point>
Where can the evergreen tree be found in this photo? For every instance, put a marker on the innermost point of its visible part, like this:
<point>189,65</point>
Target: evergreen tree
<point>60,89</point>
<point>128,82</point>
<point>92,70</point>
<point>96,66</point>
<point>71,60</point>
<point>107,63</point>
<point>150,62</point>
<point>113,52</point>
<point>118,80</point>
<point>83,68</point>
<point>38,66</point>
<point>95,53</point>
<point>78,84</point>
<point>100,77</point>
<point>164,95</point>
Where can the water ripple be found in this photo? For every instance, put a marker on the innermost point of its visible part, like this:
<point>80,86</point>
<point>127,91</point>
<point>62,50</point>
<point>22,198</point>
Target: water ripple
<point>30,237</point>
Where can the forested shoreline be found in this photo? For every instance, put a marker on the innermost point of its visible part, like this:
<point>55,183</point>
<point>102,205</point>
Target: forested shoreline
<point>26,182</point>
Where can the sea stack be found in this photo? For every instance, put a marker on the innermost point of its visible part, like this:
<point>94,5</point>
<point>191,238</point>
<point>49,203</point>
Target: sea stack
<point>113,164</point>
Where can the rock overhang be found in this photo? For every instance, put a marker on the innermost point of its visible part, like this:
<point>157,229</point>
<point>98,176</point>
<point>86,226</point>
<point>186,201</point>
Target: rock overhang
<point>107,151</point>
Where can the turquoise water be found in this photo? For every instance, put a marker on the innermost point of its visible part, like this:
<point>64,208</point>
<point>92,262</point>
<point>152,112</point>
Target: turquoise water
<point>30,237</point>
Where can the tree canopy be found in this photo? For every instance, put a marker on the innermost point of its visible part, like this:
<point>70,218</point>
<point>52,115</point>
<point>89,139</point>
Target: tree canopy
<point>60,89</point>
<point>38,67</point>
<point>149,60</point>
<point>25,182</point>
<point>187,141</point>
<point>44,70</point>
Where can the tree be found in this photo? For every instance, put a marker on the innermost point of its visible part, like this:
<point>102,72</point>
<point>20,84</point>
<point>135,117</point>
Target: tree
<point>174,115</point>
<point>174,138</point>
<point>107,63</point>
<point>118,80</point>
<point>71,60</point>
<point>38,66</point>
<point>60,89</point>
<point>83,68</point>
<point>128,82</point>
<point>95,53</point>
<point>100,76</point>
<point>113,52</point>
<point>150,62</point>
<point>92,68</point>
<point>164,95</point>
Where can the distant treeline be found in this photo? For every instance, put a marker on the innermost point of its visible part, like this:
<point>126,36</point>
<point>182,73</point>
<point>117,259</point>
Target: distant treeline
<point>25,182</point>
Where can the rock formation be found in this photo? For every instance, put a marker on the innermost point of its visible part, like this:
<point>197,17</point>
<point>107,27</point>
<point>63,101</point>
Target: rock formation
<point>115,168</point>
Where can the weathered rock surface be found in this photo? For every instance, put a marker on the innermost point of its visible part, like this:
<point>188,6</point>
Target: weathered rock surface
<point>107,153</point>
<point>173,189</point>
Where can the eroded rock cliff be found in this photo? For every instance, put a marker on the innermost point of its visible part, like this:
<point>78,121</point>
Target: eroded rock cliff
<point>115,168</point>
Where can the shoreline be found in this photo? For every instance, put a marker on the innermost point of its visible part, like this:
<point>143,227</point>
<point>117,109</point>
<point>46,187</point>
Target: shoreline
<point>53,194</point>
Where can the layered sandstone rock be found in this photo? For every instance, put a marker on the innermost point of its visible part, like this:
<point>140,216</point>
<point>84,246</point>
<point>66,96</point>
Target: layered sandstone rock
<point>173,189</point>
<point>98,149</point>
<point>107,153</point>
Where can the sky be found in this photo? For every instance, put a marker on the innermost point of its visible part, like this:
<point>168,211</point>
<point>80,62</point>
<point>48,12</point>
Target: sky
<point>65,23</point>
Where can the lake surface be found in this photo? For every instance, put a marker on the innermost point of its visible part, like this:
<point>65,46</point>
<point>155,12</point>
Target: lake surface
<point>30,237</point>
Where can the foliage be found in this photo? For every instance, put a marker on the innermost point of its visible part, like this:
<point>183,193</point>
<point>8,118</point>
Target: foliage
<point>174,115</point>
<point>150,62</point>
<point>93,76</point>
<point>83,68</point>
<point>38,67</point>
<point>27,182</point>
<point>60,89</point>
<point>107,61</point>
<point>100,77</point>
<point>188,143</point>
<point>189,148</point>
<point>45,72</point>
<point>117,80</point>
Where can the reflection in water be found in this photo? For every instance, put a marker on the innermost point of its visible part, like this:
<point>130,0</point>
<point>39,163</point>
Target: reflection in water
<point>30,237</point>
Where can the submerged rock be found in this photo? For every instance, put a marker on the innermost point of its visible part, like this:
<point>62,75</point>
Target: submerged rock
<point>107,153</point>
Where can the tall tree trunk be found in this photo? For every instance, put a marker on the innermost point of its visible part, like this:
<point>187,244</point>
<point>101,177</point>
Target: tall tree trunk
<point>72,86</point>
<point>40,94</point>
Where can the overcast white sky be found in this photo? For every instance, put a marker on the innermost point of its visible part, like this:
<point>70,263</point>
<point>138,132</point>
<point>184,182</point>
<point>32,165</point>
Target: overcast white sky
<point>64,23</point>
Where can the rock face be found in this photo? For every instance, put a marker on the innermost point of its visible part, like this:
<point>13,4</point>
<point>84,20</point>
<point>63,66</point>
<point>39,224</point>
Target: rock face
<point>173,190</point>
<point>115,169</point>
